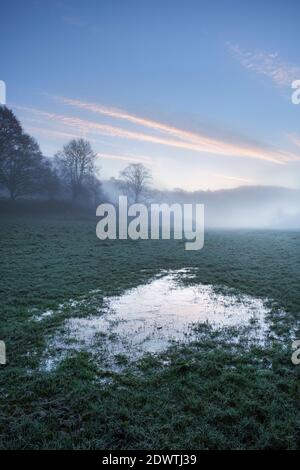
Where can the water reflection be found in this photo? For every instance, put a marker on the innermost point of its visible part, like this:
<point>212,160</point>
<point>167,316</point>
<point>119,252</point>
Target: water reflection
<point>149,317</point>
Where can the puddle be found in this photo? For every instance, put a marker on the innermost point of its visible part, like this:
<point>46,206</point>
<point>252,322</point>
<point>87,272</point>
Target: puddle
<point>150,317</point>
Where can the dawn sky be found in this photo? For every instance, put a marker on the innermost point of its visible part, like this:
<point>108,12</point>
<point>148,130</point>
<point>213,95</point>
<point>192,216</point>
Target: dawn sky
<point>198,91</point>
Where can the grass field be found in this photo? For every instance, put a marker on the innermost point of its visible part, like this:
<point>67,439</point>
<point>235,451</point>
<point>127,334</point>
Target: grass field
<point>209,394</point>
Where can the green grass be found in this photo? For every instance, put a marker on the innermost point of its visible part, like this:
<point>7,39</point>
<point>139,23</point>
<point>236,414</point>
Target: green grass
<point>207,395</point>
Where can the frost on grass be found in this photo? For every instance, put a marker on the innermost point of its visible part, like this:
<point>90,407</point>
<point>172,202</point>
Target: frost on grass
<point>150,317</point>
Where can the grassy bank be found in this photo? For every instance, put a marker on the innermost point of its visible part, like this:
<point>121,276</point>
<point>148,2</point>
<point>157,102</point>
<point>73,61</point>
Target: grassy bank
<point>210,394</point>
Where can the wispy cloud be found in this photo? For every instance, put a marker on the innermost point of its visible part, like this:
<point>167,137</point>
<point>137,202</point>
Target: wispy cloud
<point>268,64</point>
<point>53,133</point>
<point>181,139</point>
<point>206,143</point>
<point>67,135</point>
<point>189,140</point>
<point>127,158</point>
<point>85,126</point>
<point>235,178</point>
<point>295,139</point>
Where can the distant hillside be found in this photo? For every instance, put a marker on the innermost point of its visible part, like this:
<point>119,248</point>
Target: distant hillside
<point>243,207</point>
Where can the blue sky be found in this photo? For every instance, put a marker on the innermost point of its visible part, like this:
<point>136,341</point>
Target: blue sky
<point>198,91</point>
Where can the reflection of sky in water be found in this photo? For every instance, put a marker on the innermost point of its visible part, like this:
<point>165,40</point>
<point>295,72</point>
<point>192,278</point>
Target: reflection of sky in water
<point>147,318</point>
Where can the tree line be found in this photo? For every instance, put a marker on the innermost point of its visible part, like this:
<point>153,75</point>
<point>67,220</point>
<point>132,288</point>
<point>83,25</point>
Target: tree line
<point>72,173</point>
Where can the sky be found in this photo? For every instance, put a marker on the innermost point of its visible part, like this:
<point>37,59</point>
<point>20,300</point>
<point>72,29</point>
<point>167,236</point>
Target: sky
<point>198,91</point>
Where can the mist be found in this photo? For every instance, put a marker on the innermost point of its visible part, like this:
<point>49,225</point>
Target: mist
<point>252,207</point>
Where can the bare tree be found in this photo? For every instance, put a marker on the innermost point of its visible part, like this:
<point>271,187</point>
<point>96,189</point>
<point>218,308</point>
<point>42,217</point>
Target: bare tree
<point>76,163</point>
<point>21,160</point>
<point>50,183</point>
<point>94,187</point>
<point>134,181</point>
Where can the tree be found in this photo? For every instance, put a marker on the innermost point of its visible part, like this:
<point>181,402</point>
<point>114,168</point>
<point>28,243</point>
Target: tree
<point>76,163</point>
<point>134,180</point>
<point>21,160</point>
<point>50,182</point>
<point>94,187</point>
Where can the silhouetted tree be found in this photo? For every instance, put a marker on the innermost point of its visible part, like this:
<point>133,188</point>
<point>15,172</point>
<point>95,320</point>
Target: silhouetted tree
<point>50,181</point>
<point>76,162</point>
<point>94,187</point>
<point>21,160</point>
<point>134,180</point>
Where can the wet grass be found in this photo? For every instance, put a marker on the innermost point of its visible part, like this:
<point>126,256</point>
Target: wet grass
<point>210,394</point>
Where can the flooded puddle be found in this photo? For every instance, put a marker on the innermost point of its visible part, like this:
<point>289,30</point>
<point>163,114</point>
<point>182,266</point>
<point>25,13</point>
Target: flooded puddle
<point>150,317</point>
